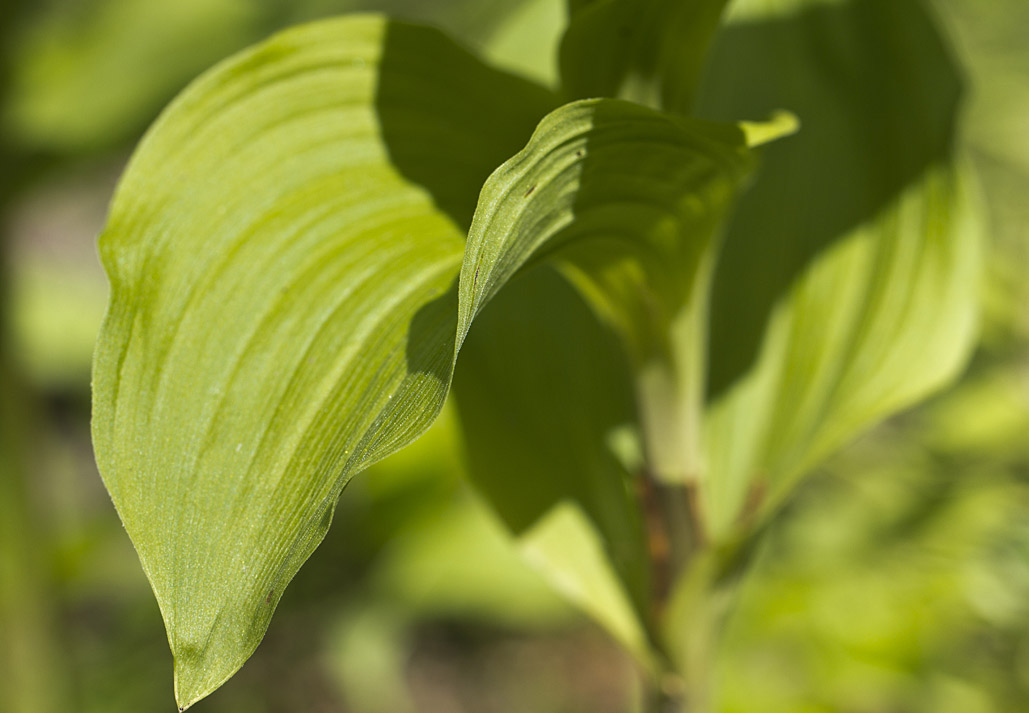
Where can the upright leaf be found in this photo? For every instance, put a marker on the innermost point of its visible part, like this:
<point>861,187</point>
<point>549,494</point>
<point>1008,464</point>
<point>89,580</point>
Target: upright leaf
<point>283,252</point>
<point>847,285</point>
<point>648,51</point>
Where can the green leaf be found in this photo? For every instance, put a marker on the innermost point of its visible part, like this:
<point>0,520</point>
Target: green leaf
<point>281,311</point>
<point>847,285</point>
<point>626,202</point>
<point>604,184</point>
<point>283,251</point>
<point>648,51</point>
<point>650,288</point>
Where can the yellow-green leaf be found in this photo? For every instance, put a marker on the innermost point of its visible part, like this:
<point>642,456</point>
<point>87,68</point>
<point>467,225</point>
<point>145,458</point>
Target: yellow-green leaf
<point>289,287</point>
<point>279,315</point>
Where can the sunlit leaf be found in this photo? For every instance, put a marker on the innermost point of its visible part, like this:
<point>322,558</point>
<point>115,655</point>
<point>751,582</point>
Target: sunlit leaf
<point>847,284</point>
<point>290,286</point>
<point>268,261</point>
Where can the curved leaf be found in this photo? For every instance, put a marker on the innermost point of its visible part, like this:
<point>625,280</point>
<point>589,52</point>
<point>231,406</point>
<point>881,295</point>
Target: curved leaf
<point>283,251</point>
<point>610,171</point>
<point>626,202</point>
<point>626,178</point>
<point>279,312</point>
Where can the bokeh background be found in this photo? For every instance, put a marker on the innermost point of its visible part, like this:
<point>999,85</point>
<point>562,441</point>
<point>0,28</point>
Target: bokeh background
<point>897,580</point>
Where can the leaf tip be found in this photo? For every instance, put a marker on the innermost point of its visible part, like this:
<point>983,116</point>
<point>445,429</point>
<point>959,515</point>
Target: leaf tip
<point>192,685</point>
<point>780,124</point>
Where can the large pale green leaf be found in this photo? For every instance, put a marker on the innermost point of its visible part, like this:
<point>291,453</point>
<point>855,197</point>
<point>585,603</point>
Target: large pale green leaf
<point>268,259</point>
<point>848,278</point>
<point>284,253</point>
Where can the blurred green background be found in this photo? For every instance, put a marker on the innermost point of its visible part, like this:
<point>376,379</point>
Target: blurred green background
<point>897,580</point>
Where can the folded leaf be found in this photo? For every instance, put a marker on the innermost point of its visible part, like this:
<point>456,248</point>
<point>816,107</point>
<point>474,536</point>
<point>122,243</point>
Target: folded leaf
<point>625,230</point>
<point>283,253</point>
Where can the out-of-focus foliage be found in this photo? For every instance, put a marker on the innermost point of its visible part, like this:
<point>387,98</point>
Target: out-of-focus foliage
<point>900,579</point>
<point>86,73</point>
<point>90,75</point>
<point>996,59</point>
<point>912,598</point>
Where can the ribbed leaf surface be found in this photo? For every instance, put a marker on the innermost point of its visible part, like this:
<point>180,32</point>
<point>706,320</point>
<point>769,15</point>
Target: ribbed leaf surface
<point>284,254</point>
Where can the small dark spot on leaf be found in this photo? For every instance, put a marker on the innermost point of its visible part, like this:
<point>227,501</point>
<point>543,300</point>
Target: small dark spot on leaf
<point>579,153</point>
<point>268,599</point>
<point>531,189</point>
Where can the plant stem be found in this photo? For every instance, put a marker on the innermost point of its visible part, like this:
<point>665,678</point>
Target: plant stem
<point>661,700</point>
<point>685,603</point>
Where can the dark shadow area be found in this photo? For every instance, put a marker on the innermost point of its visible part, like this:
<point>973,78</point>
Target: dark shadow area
<point>448,119</point>
<point>530,350</point>
<point>431,337</point>
<point>540,387</point>
<point>877,95</point>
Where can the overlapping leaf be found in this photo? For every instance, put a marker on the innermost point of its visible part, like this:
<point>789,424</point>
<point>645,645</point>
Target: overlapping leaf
<point>284,254</point>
